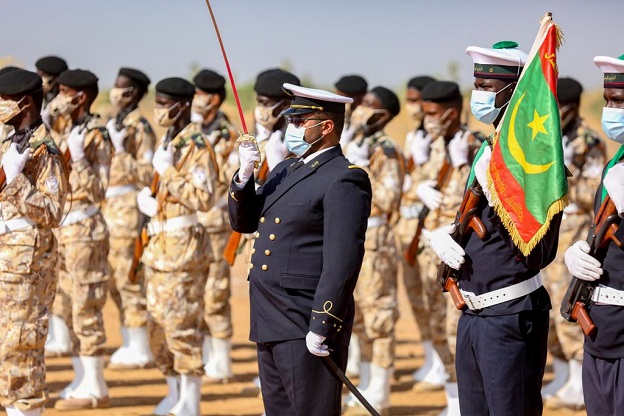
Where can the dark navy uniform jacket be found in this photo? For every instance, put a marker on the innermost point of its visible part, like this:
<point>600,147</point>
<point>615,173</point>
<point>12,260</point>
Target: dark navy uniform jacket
<point>310,227</point>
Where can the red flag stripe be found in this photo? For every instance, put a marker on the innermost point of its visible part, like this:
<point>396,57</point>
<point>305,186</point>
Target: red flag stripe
<point>548,59</point>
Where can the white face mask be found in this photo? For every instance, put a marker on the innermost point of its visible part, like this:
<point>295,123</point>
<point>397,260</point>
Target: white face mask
<point>415,111</point>
<point>613,123</point>
<point>295,139</point>
<point>483,105</point>
<point>264,115</point>
<point>119,97</point>
<point>202,103</point>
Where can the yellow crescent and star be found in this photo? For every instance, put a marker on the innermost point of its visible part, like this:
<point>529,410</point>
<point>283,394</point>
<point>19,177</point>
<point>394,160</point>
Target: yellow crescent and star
<point>537,126</point>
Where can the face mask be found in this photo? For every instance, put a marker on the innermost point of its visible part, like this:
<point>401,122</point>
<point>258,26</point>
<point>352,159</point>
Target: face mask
<point>196,117</point>
<point>48,84</point>
<point>415,111</point>
<point>569,116</point>
<point>435,127</point>
<point>63,104</point>
<point>264,115</point>
<point>295,139</point>
<point>202,104</point>
<point>162,117</point>
<point>482,104</point>
<point>119,98</point>
<point>361,117</point>
<point>613,123</point>
<point>9,109</point>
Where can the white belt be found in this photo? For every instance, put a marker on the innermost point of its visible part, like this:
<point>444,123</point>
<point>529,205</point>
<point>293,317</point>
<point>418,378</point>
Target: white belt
<point>15,224</point>
<point>79,215</point>
<point>506,294</point>
<point>608,296</point>
<point>377,221</point>
<point>172,224</point>
<point>119,190</point>
<point>411,211</point>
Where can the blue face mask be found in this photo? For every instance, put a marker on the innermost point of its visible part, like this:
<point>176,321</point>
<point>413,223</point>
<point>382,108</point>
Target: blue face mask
<point>483,105</point>
<point>295,139</point>
<point>613,123</point>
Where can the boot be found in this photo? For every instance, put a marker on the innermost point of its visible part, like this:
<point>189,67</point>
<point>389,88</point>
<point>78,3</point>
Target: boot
<point>253,391</point>
<point>173,395</point>
<point>59,343</point>
<point>190,397</point>
<point>206,350</point>
<point>364,371</point>
<point>560,376</point>
<point>436,376</point>
<point>78,374</point>
<point>452,400</point>
<point>13,411</point>
<point>377,393</point>
<point>570,395</point>
<point>353,360</point>
<point>136,354</point>
<point>92,392</point>
<point>420,374</point>
<point>219,366</point>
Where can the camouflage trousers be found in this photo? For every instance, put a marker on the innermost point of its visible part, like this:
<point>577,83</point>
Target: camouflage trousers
<point>217,311</point>
<point>26,302</point>
<point>175,301</point>
<point>129,297</point>
<point>82,288</point>
<point>376,309</point>
<point>565,339</point>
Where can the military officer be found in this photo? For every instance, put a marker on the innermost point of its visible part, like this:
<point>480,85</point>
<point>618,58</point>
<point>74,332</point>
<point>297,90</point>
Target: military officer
<point>83,239</point>
<point>178,254</point>
<point>131,169</point>
<point>209,95</point>
<point>501,344</point>
<point>375,295</point>
<point>355,87</point>
<point>604,350</point>
<point>33,194</point>
<point>310,222</point>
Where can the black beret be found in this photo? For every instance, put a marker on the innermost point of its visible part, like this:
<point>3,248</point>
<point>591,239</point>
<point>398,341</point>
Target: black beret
<point>270,82</point>
<point>209,81</point>
<point>51,65</point>
<point>441,92</point>
<point>20,82</point>
<point>388,99</point>
<point>175,87</point>
<point>352,84</point>
<point>135,75</point>
<point>77,78</point>
<point>418,83</point>
<point>7,69</point>
<point>569,90</point>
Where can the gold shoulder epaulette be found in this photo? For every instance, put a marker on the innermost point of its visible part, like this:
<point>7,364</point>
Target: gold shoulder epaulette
<point>354,167</point>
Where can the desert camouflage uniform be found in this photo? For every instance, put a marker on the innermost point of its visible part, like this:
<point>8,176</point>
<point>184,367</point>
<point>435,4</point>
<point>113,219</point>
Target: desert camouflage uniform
<point>375,293</point>
<point>176,262</point>
<point>217,312</point>
<point>83,245</point>
<point>27,271</point>
<point>586,151</point>
<point>130,171</point>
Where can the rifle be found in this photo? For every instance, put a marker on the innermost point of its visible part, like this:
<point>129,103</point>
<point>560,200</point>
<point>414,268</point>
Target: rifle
<point>142,239</point>
<point>21,148</point>
<point>443,176</point>
<point>580,292</point>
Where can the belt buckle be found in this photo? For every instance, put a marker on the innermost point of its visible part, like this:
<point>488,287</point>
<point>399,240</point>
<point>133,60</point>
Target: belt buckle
<point>468,299</point>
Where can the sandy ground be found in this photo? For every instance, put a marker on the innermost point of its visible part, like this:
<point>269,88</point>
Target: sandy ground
<point>137,392</point>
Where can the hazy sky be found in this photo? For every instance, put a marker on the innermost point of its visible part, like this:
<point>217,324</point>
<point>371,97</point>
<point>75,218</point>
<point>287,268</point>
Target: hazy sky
<point>387,41</point>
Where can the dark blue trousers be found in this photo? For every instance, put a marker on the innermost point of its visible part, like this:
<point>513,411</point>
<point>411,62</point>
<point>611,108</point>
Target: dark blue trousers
<point>603,387</point>
<point>500,363</point>
<point>295,382</point>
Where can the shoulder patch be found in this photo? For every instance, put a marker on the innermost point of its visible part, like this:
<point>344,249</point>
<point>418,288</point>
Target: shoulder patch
<point>51,147</point>
<point>196,138</point>
<point>388,149</point>
<point>103,131</point>
<point>146,125</point>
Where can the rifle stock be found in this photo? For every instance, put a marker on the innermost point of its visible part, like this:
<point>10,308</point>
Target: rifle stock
<point>229,253</point>
<point>142,239</point>
<point>2,177</point>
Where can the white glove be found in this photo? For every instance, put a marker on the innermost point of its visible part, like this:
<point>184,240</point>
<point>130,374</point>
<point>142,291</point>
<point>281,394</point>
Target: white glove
<point>568,151</point>
<point>117,136</point>
<point>407,183</point>
<point>580,264</point>
<point>447,249</point>
<point>458,149</point>
<point>147,203</point>
<point>13,162</point>
<point>432,198</point>
<point>614,184</point>
<point>480,172</point>
<point>45,116</point>
<point>419,147</point>
<point>248,155</point>
<point>315,345</point>
<point>75,143</point>
<point>275,150</point>
<point>163,159</point>
<point>358,155</point>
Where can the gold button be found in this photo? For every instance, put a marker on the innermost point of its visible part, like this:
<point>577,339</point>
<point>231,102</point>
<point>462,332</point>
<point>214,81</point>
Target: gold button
<point>250,265</point>
<point>272,237</point>
<point>262,219</point>
<point>267,252</point>
<point>257,234</point>
<point>253,250</point>
<point>277,220</point>
<point>265,267</point>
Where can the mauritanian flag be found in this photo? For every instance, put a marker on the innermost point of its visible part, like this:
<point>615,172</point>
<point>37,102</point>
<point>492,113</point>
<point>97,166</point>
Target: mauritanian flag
<point>527,175</point>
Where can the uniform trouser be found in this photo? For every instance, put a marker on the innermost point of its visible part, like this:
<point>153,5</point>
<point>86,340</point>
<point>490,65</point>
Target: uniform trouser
<point>175,302</point>
<point>295,382</point>
<point>82,283</point>
<point>23,330</point>
<point>603,388</point>
<point>376,306</point>
<point>129,297</point>
<point>217,311</point>
<point>500,363</point>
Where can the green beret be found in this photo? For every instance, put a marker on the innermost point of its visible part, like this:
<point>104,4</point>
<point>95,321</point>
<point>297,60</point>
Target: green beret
<point>209,81</point>
<point>352,84</point>
<point>20,82</point>
<point>51,65</point>
<point>569,90</point>
<point>77,79</point>
<point>175,87</point>
<point>136,76</point>
<point>441,92</point>
<point>389,100</point>
<point>418,83</point>
<point>270,82</point>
